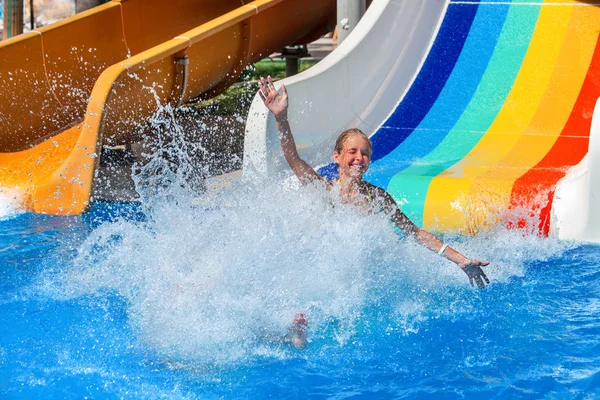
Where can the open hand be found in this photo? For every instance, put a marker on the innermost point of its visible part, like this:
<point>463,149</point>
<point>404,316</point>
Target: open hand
<point>277,103</point>
<point>473,270</point>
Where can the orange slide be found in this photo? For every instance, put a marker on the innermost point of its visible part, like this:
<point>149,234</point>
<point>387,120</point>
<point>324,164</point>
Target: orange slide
<point>70,87</point>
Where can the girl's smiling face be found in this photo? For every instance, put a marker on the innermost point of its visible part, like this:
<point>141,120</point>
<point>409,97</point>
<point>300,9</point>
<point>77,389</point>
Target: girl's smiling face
<point>355,157</point>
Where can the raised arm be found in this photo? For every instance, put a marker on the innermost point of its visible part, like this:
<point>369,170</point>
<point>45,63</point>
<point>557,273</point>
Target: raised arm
<point>470,267</point>
<point>277,103</point>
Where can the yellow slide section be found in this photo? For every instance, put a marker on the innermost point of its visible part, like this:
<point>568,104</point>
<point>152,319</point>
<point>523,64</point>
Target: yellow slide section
<point>70,87</point>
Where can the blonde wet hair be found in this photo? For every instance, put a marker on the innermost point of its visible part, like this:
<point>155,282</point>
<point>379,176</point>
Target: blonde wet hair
<point>344,136</point>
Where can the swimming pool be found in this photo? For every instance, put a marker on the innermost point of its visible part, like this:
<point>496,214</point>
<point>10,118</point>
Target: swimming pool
<point>177,298</point>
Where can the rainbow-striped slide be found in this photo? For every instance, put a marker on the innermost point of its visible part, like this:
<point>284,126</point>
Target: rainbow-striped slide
<point>496,113</point>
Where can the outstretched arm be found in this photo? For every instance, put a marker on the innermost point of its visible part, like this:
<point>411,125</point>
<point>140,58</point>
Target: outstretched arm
<point>278,104</point>
<point>470,267</point>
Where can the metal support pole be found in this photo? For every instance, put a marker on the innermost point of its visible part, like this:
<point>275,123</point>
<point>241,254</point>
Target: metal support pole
<point>31,16</point>
<point>292,57</point>
<point>291,66</point>
<point>349,12</point>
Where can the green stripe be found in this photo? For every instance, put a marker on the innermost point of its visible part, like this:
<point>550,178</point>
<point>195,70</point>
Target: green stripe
<point>412,183</point>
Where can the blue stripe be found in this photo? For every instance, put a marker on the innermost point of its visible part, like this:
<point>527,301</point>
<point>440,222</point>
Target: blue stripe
<point>431,80</point>
<point>452,101</point>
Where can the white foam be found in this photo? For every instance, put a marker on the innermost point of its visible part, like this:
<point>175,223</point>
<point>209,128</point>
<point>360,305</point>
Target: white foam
<point>10,203</point>
<point>210,283</point>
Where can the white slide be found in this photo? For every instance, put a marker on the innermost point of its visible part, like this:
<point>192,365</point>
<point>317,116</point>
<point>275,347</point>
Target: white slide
<point>575,215</point>
<point>362,82</point>
<point>358,85</point>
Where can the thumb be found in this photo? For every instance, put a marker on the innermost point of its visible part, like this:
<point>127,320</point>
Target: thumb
<point>283,89</point>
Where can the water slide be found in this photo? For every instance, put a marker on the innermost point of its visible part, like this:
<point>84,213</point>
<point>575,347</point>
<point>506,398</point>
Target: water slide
<point>480,112</point>
<point>94,79</point>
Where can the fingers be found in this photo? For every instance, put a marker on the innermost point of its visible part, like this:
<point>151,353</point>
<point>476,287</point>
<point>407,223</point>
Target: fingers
<point>478,274</point>
<point>485,277</point>
<point>479,263</point>
<point>481,274</point>
<point>475,273</point>
<point>270,83</point>
<point>479,282</point>
<point>266,88</point>
<point>263,90</point>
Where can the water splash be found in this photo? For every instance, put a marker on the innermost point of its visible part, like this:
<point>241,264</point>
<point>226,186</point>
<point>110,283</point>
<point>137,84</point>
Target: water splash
<point>213,278</point>
<point>10,203</point>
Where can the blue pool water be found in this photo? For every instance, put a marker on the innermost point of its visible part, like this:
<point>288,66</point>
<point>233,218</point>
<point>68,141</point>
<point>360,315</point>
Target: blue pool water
<point>177,299</point>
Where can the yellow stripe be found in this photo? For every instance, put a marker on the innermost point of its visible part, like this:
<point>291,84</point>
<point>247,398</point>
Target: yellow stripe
<point>448,204</point>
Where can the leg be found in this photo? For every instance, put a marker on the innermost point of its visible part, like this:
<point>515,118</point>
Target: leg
<point>297,334</point>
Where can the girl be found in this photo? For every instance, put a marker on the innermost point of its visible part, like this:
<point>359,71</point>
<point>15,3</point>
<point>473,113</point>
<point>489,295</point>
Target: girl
<point>352,154</point>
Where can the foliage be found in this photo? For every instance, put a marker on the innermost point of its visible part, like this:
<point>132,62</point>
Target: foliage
<point>235,101</point>
<point>275,68</point>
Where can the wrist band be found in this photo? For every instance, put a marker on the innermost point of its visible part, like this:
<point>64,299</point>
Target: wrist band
<point>443,248</point>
